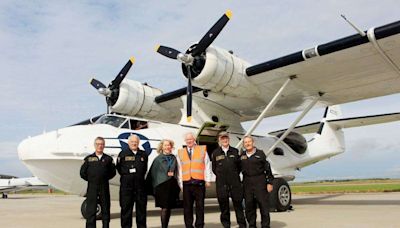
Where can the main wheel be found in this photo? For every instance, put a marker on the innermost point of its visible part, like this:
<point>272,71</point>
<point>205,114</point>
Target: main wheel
<point>281,196</point>
<point>84,211</point>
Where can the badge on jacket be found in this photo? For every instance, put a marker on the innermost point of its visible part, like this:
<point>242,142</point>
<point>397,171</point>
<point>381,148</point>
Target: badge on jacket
<point>220,157</point>
<point>93,159</point>
<point>243,157</point>
<point>130,158</point>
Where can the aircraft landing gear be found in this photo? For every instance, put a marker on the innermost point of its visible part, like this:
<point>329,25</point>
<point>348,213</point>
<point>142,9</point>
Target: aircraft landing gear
<point>4,196</point>
<point>281,196</point>
<point>84,212</point>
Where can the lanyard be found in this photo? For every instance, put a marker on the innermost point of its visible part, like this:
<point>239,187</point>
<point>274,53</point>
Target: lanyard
<point>170,161</point>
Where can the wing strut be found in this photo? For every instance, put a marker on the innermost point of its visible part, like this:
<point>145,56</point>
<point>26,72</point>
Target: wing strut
<point>293,125</point>
<point>270,105</point>
<point>388,60</point>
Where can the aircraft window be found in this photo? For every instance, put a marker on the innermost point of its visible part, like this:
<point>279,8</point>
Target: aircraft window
<point>138,125</point>
<point>111,120</point>
<point>125,125</point>
<point>278,151</point>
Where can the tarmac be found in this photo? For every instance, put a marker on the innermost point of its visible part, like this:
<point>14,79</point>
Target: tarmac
<point>328,210</point>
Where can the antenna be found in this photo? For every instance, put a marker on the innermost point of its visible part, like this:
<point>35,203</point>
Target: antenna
<point>361,32</point>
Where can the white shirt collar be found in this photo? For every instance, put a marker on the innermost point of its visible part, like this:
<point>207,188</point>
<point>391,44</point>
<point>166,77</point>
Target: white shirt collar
<point>249,155</point>
<point>99,156</point>
<point>225,149</point>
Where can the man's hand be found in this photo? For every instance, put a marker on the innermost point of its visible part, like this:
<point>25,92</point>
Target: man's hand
<point>208,184</point>
<point>170,174</point>
<point>270,187</point>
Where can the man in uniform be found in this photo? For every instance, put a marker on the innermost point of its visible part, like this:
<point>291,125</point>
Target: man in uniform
<point>195,174</point>
<point>226,166</point>
<point>132,166</point>
<point>257,182</point>
<point>98,168</point>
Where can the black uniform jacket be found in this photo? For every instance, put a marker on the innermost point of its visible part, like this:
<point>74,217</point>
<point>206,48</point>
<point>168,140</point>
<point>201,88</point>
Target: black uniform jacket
<point>256,166</point>
<point>226,167</point>
<point>132,168</point>
<point>97,171</point>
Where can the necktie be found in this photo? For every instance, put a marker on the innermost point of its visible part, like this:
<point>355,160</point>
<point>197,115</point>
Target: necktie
<point>190,154</point>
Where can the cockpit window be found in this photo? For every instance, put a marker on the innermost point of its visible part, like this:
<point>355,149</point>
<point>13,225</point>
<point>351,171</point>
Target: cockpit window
<point>125,125</point>
<point>115,121</point>
<point>138,125</point>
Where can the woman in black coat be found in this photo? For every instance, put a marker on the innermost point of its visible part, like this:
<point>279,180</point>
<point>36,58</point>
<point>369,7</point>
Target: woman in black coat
<point>164,174</point>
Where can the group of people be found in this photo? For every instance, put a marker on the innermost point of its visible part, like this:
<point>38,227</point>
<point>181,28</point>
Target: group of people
<point>190,172</point>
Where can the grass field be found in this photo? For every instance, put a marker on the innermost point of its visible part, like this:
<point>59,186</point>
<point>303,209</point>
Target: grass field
<point>319,187</point>
<point>347,186</point>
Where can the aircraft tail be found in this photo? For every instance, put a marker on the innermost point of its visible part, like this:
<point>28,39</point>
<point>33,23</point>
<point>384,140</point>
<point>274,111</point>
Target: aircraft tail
<point>333,116</point>
<point>329,140</point>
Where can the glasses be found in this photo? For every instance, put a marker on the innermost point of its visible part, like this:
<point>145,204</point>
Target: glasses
<point>99,144</point>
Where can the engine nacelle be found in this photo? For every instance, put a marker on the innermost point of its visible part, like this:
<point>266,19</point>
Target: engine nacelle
<point>224,72</point>
<point>136,99</point>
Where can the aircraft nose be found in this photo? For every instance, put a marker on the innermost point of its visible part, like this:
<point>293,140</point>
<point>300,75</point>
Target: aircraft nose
<point>37,146</point>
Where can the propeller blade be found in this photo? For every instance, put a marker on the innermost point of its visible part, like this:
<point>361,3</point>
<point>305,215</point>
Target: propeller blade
<point>122,74</point>
<point>167,52</point>
<point>210,36</point>
<point>189,94</point>
<point>97,84</point>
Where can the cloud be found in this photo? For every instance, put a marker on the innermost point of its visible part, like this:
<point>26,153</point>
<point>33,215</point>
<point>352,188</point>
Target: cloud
<point>9,162</point>
<point>8,150</point>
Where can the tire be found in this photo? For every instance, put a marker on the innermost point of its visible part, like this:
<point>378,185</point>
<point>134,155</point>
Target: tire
<point>281,196</point>
<point>84,214</point>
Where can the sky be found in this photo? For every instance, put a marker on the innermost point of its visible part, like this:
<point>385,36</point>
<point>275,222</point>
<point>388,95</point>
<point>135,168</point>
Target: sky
<point>50,50</point>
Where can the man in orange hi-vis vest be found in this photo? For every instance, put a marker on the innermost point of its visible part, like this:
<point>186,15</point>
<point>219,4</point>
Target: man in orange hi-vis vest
<point>195,174</point>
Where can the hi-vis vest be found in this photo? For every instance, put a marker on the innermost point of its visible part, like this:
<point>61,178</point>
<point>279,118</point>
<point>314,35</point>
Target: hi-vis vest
<point>194,168</point>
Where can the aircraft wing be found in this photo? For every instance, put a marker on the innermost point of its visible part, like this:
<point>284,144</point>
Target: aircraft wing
<point>345,70</point>
<point>348,69</point>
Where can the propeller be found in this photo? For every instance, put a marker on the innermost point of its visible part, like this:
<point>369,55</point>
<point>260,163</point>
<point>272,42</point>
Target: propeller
<point>112,91</point>
<point>194,60</point>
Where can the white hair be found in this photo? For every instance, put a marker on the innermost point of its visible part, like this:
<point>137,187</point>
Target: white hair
<point>189,133</point>
<point>249,137</point>
<point>133,136</point>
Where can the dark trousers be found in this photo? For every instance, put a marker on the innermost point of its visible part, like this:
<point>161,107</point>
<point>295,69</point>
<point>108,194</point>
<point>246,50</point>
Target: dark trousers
<point>97,194</point>
<point>256,194</point>
<point>236,193</point>
<point>127,199</point>
<point>193,193</point>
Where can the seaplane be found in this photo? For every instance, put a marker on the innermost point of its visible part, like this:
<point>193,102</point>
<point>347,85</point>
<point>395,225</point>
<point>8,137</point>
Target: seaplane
<point>222,92</point>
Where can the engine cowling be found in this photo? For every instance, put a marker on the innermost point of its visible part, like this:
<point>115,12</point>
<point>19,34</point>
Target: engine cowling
<point>137,99</point>
<point>221,71</point>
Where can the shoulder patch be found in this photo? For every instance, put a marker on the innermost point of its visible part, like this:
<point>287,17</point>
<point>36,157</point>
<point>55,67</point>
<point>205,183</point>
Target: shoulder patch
<point>257,156</point>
